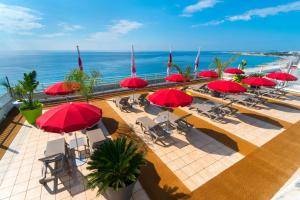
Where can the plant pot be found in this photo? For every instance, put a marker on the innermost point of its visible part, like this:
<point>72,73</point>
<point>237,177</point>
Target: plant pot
<point>32,115</point>
<point>121,194</point>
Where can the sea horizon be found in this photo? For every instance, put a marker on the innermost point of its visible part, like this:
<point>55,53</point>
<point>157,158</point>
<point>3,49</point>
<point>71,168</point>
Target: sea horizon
<point>52,66</point>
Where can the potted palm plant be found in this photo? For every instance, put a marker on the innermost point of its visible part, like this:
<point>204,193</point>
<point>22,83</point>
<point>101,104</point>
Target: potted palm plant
<point>115,167</point>
<point>31,109</point>
<point>87,81</point>
<point>186,73</point>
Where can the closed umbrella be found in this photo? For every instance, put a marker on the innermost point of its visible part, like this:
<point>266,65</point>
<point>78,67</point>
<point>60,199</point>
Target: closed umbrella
<point>226,86</point>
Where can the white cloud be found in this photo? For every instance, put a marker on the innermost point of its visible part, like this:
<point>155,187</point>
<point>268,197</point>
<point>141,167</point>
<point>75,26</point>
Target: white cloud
<point>260,12</point>
<point>264,12</point>
<point>199,6</point>
<point>17,18</point>
<point>70,27</point>
<point>114,31</point>
<point>53,35</point>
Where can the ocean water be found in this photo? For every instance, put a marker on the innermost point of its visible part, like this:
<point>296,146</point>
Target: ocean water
<point>52,66</point>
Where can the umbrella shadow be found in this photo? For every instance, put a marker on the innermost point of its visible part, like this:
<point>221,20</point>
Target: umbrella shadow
<point>110,124</point>
<point>151,182</point>
<point>248,119</point>
<point>263,118</point>
<point>218,136</point>
<point>152,109</point>
<point>284,108</point>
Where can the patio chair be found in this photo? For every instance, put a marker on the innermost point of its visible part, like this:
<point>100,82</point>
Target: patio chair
<point>156,132</point>
<point>178,122</point>
<point>210,110</point>
<point>123,103</point>
<point>274,93</point>
<point>246,100</point>
<point>95,137</point>
<point>140,99</point>
<point>200,88</point>
<point>228,109</point>
<point>55,160</point>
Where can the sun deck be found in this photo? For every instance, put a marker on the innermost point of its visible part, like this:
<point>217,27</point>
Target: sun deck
<point>249,156</point>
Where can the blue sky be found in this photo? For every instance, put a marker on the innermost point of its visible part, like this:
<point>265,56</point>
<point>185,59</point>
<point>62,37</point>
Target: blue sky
<point>149,24</point>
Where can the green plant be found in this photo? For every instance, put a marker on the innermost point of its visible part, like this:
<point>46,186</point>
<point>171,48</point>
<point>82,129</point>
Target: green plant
<point>87,81</point>
<point>115,164</point>
<point>238,77</point>
<point>186,72</point>
<point>242,64</point>
<point>27,86</point>
<point>220,66</point>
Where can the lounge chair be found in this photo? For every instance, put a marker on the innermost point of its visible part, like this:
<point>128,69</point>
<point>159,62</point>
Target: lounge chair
<point>178,122</point>
<point>200,88</point>
<point>153,129</point>
<point>212,111</point>
<point>140,99</point>
<point>123,104</point>
<point>275,93</point>
<point>95,137</point>
<point>246,100</point>
<point>55,160</point>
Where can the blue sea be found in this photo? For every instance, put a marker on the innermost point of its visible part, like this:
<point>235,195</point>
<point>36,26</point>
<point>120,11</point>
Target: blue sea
<point>52,66</point>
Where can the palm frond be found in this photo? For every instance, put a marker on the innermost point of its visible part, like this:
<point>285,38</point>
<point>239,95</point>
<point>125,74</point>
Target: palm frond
<point>115,164</point>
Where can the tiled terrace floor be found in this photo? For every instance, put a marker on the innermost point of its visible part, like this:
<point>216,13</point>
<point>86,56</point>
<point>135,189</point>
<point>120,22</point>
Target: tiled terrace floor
<point>20,171</point>
<point>195,158</point>
<point>253,130</point>
<point>258,176</point>
<point>284,113</point>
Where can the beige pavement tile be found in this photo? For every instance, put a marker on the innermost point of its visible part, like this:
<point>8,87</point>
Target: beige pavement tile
<point>5,192</point>
<point>20,187</point>
<point>19,196</point>
<point>34,193</point>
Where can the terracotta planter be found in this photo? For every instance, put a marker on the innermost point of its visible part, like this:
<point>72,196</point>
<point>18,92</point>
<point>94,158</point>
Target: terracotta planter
<point>32,115</point>
<point>121,194</point>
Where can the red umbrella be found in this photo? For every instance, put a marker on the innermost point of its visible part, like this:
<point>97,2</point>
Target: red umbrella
<point>170,98</point>
<point>176,78</point>
<point>258,81</point>
<point>69,117</point>
<point>282,76</point>
<point>133,82</point>
<point>226,86</point>
<point>233,71</point>
<point>62,88</point>
<point>208,74</point>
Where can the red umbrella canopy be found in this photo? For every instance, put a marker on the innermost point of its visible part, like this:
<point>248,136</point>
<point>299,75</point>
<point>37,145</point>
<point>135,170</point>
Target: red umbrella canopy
<point>62,88</point>
<point>176,78</point>
<point>170,98</point>
<point>208,74</point>
<point>233,71</point>
<point>226,86</point>
<point>282,76</point>
<point>133,82</point>
<point>258,81</point>
<point>69,117</point>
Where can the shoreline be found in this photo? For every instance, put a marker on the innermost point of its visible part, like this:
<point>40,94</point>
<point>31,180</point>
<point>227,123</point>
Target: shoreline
<point>279,64</point>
